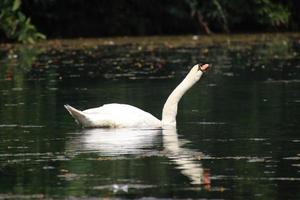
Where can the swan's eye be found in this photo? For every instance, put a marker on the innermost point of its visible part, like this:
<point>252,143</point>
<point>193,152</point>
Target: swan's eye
<point>199,67</point>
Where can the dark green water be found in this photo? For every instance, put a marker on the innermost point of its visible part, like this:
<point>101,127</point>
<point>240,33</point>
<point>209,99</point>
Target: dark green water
<point>237,135</point>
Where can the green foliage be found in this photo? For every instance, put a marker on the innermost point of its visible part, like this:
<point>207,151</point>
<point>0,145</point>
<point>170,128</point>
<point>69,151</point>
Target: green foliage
<point>272,14</point>
<point>15,24</point>
<point>122,17</point>
<point>210,11</point>
<point>225,14</point>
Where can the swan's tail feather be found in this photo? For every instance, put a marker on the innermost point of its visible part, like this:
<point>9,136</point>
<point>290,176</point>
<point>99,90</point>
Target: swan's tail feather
<point>78,115</point>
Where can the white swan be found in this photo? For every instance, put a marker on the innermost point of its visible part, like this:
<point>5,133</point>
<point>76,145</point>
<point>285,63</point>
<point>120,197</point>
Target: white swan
<point>126,116</point>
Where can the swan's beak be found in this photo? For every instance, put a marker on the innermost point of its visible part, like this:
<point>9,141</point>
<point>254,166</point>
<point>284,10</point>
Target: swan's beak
<point>203,68</point>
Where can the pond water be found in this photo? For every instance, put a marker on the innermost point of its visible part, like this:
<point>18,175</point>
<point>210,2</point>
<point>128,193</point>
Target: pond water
<point>238,128</point>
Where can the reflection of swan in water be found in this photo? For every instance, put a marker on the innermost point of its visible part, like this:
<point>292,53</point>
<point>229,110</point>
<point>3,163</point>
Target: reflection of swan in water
<point>186,160</point>
<point>116,142</point>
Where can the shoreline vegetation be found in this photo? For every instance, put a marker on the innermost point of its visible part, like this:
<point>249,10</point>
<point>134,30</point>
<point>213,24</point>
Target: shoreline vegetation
<point>168,41</point>
<point>28,21</point>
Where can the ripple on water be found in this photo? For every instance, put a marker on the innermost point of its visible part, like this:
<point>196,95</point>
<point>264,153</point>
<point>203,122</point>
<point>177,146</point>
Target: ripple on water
<point>13,158</point>
<point>17,89</point>
<point>226,177</point>
<point>247,158</point>
<point>208,123</point>
<point>123,187</point>
<point>236,139</point>
<point>22,196</point>
<point>8,125</point>
<point>258,139</point>
<point>20,126</point>
<point>292,158</point>
<point>13,104</point>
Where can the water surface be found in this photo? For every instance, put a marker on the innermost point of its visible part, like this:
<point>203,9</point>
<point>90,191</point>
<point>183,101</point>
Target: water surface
<point>238,128</point>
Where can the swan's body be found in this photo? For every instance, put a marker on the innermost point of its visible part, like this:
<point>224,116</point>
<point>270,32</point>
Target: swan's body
<point>126,116</point>
<point>115,116</point>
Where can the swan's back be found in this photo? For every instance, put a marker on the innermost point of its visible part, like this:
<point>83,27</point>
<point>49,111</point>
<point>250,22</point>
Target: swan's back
<point>117,116</point>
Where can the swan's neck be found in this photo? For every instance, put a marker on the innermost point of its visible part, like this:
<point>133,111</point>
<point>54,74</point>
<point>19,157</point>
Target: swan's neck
<point>170,108</point>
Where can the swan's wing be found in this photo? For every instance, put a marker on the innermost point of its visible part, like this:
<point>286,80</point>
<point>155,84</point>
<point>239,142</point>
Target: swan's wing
<point>121,115</point>
<point>114,108</point>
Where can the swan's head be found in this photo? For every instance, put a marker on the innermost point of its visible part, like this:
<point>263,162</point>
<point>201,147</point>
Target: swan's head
<point>197,71</point>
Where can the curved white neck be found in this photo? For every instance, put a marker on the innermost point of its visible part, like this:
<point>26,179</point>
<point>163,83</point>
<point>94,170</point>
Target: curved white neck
<point>170,108</point>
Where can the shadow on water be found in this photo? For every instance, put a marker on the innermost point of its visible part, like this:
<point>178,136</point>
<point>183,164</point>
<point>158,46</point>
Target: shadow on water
<point>237,134</point>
